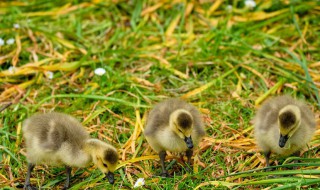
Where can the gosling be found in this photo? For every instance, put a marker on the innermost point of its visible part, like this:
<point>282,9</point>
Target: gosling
<point>59,139</point>
<point>283,126</point>
<point>176,126</point>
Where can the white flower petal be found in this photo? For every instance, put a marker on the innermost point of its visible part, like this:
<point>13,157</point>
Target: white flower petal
<point>229,8</point>
<point>10,41</point>
<point>12,69</point>
<point>139,183</point>
<point>16,26</point>
<point>49,74</point>
<point>250,3</point>
<point>1,42</point>
<point>100,71</point>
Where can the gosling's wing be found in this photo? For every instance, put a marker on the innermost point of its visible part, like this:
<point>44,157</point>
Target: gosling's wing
<point>74,133</point>
<point>307,117</point>
<point>196,115</point>
<point>197,119</point>
<point>53,129</point>
<point>267,115</point>
<point>40,133</point>
<point>158,118</point>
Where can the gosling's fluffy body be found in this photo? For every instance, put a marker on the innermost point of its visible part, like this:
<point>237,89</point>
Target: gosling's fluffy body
<point>59,139</point>
<point>283,114</point>
<point>176,126</point>
<point>158,132</point>
<point>55,139</point>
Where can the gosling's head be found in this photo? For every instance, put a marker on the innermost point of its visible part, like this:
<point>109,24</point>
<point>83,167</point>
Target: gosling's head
<point>105,157</point>
<point>181,122</point>
<point>289,120</point>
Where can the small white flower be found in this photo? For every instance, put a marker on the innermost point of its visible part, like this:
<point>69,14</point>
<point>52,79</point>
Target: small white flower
<point>49,74</point>
<point>100,71</point>
<point>250,4</point>
<point>1,42</point>
<point>16,26</point>
<point>12,69</point>
<point>229,8</point>
<point>139,183</point>
<point>10,41</point>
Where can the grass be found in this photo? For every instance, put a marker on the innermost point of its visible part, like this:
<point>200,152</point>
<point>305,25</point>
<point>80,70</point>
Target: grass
<point>224,62</point>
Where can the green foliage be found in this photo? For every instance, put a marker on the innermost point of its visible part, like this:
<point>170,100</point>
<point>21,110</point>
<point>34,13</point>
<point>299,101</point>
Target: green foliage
<point>224,62</point>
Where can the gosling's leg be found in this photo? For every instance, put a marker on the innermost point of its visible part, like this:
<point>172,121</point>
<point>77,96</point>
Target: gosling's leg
<point>189,154</point>
<point>267,155</point>
<point>297,154</point>
<point>162,155</point>
<point>68,172</point>
<point>27,184</point>
<point>181,157</point>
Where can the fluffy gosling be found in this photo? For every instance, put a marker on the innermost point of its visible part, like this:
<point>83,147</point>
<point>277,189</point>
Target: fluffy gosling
<point>176,126</point>
<point>59,139</point>
<point>283,126</point>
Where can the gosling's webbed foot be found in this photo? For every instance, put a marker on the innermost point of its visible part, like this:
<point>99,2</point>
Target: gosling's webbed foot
<point>164,174</point>
<point>189,168</point>
<point>29,187</point>
<point>268,169</point>
<point>272,177</point>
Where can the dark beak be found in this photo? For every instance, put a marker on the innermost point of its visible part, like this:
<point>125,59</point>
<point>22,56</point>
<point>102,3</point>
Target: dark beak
<point>110,177</point>
<point>189,142</point>
<point>283,140</point>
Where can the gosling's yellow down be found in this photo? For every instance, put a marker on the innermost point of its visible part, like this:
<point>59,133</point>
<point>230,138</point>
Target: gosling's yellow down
<point>283,125</point>
<point>174,125</point>
<point>59,139</point>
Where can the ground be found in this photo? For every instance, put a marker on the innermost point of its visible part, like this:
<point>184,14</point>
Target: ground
<point>222,56</point>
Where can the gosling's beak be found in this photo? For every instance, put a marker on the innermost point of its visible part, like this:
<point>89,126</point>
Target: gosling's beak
<point>110,177</point>
<point>189,142</point>
<point>283,140</point>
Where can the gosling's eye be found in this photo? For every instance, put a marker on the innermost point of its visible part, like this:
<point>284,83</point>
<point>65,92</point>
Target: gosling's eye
<point>105,165</point>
